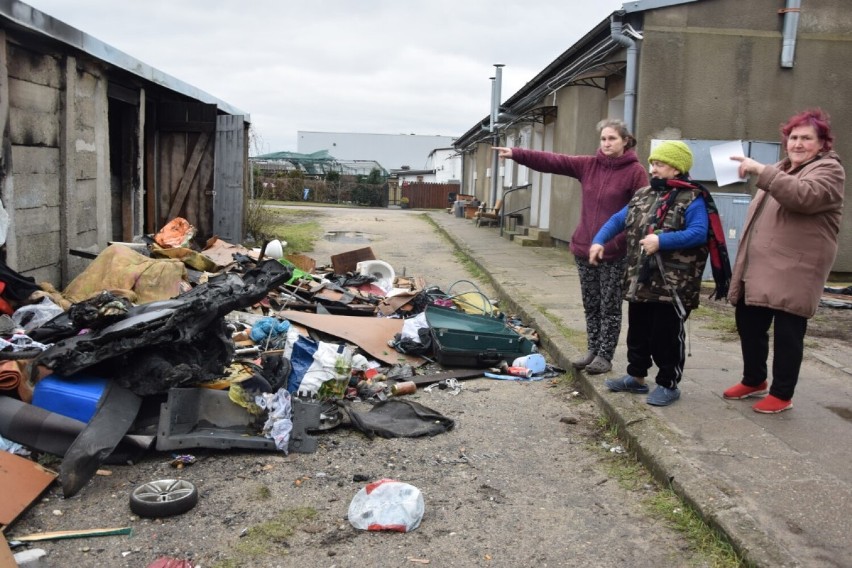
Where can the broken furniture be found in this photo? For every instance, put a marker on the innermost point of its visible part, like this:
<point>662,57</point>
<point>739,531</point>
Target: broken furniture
<point>460,203</point>
<point>489,216</point>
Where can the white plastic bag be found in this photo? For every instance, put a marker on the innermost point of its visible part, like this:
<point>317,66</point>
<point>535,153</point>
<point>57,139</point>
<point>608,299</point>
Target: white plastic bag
<point>411,327</point>
<point>32,316</point>
<point>387,505</point>
<point>332,362</point>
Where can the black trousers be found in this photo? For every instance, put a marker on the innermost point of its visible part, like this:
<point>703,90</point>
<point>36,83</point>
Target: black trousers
<point>789,340</point>
<point>655,335</point>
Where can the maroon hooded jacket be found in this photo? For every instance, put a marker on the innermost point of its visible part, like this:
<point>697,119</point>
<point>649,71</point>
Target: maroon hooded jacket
<point>607,185</point>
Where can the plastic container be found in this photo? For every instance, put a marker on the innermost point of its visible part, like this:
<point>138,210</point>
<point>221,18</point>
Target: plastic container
<point>76,396</point>
<point>534,362</point>
<point>387,505</point>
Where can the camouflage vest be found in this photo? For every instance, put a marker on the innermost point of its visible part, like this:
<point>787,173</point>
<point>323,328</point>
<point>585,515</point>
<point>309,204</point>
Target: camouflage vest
<point>684,267</point>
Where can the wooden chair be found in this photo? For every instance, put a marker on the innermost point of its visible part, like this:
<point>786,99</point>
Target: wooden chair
<point>489,216</point>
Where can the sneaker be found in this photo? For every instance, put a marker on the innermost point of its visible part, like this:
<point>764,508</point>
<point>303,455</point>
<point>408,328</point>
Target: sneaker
<point>740,391</point>
<point>626,384</point>
<point>598,366</point>
<point>584,361</point>
<point>772,405</point>
<point>663,396</point>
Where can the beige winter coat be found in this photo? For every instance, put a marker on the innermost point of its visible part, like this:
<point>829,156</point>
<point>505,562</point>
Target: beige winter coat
<point>790,236</point>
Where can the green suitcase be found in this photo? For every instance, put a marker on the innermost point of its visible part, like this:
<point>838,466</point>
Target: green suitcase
<point>472,340</point>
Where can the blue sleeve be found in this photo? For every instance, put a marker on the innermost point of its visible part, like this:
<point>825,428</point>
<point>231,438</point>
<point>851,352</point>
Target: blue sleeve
<point>611,228</point>
<point>694,234</point>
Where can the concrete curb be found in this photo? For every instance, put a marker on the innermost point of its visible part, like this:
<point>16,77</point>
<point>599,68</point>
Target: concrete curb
<point>649,438</point>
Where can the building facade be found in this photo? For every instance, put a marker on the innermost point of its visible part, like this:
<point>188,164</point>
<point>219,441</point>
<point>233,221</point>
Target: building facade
<point>100,147</point>
<point>704,71</point>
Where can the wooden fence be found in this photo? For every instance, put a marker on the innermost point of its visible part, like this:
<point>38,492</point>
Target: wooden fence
<point>422,195</point>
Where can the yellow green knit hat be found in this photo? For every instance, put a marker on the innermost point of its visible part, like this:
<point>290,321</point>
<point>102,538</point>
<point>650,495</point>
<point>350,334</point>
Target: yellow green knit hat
<point>674,153</point>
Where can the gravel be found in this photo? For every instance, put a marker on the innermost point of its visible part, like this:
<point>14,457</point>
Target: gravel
<point>525,478</point>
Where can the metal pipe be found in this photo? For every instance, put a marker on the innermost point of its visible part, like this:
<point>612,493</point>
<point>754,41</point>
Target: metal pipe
<point>495,136</point>
<point>791,26</point>
<point>632,60</point>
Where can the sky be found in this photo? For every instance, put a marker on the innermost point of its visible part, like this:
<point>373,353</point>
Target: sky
<point>366,66</point>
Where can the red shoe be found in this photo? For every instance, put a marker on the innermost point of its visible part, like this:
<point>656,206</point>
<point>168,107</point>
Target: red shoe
<point>739,391</point>
<point>772,405</point>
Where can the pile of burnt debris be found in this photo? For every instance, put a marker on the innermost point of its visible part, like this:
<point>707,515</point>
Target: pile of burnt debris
<point>166,346</point>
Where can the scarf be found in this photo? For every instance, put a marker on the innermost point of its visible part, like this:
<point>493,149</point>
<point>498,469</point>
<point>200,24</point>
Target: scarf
<point>720,265</point>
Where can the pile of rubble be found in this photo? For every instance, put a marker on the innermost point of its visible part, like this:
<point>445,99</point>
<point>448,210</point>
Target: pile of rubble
<point>167,345</point>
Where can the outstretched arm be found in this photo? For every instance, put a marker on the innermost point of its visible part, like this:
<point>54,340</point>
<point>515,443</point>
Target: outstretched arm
<point>503,152</point>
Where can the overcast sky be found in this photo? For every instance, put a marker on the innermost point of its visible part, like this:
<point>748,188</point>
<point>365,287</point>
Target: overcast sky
<point>374,66</point>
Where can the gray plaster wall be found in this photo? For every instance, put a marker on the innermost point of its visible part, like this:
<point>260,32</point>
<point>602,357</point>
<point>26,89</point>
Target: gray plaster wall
<point>712,70</point>
<point>580,110</point>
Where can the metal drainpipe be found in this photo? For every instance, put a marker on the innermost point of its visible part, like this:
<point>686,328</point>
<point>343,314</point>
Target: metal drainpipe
<point>495,134</point>
<point>791,26</point>
<point>630,79</point>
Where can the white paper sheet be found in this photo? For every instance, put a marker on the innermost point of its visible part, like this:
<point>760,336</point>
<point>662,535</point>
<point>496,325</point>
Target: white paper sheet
<point>723,165</point>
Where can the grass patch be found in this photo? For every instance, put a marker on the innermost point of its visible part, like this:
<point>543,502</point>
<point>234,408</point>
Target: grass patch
<point>575,337</point>
<point>713,550</point>
<point>467,263</point>
<point>717,320</point>
<point>267,539</point>
<point>295,226</point>
<point>469,266</point>
<point>708,547</point>
<point>262,493</point>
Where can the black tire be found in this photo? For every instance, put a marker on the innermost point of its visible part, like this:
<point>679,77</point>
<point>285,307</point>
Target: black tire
<point>163,498</point>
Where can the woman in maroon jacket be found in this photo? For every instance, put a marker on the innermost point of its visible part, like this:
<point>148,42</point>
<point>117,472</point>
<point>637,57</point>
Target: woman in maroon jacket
<point>608,181</point>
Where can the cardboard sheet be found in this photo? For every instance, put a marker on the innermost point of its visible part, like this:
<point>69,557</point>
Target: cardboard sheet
<point>370,334</point>
<point>21,483</point>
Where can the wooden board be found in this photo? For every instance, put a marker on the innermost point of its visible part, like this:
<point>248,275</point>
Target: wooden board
<point>346,261</point>
<point>21,483</point>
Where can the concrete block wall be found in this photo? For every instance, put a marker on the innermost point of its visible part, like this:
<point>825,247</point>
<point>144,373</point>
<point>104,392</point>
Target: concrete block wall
<point>57,188</point>
<point>32,190</point>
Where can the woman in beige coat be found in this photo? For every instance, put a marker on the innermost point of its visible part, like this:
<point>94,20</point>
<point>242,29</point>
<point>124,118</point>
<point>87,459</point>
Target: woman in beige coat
<point>788,247</point>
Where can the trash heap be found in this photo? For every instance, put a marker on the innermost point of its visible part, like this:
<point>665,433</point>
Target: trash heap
<point>168,345</point>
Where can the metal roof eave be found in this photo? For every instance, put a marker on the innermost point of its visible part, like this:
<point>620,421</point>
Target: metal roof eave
<point>645,5</point>
<point>470,137</point>
<point>34,20</point>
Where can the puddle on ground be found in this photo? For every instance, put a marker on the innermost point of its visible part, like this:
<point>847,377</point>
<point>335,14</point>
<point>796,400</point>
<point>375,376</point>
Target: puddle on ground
<point>348,237</point>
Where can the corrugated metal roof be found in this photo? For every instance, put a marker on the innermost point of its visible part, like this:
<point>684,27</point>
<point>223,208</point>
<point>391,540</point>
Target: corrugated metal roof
<point>29,18</point>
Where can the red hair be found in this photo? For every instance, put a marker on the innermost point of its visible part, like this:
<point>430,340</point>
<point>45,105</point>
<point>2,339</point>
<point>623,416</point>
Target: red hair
<point>815,117</point>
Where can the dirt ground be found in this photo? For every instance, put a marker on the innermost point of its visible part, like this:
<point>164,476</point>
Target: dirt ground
<point>529,476</point>
<point>828,336</point>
